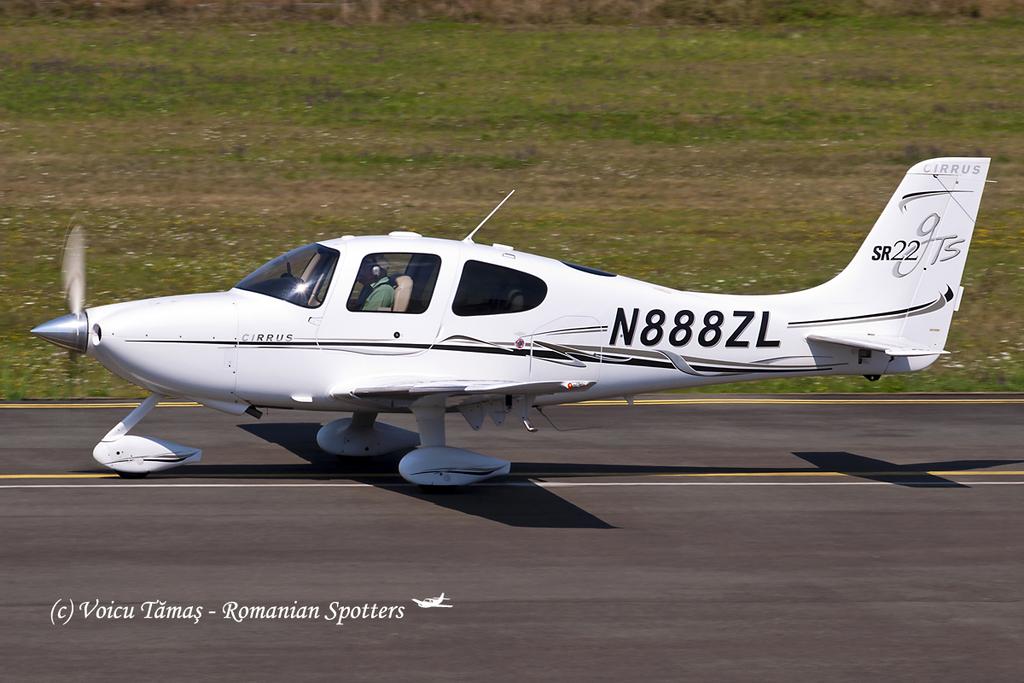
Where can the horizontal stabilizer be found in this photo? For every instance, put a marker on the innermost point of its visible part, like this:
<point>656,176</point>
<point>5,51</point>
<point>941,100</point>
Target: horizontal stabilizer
<point>407,388</point>
<point>893,346</point>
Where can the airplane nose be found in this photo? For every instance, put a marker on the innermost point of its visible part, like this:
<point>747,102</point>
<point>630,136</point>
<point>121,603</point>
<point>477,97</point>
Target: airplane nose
<point>68,331</point>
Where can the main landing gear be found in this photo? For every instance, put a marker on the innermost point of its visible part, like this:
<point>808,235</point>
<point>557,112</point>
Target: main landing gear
<point>431,463</point>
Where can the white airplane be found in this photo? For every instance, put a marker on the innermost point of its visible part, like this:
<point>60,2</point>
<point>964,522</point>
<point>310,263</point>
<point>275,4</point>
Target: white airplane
<point>404,323</point>
<point>433,602</point>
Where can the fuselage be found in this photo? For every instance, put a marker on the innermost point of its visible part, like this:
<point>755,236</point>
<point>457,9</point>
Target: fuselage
<point>491,313</point>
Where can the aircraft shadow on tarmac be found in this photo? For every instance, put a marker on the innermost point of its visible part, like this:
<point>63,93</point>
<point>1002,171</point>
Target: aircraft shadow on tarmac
<point>529,505</point>
<point>522,506</point>
<point>914,475</point>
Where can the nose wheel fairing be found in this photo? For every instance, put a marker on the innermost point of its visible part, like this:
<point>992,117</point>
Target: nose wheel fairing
<point>136,455</point>
<point>139,455</point>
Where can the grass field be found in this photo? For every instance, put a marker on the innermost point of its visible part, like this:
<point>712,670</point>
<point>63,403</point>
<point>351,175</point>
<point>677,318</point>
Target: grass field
<point>747,159</point>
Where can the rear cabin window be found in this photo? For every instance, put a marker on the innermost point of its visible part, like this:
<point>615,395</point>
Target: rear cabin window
<point>394,283</point>
<point>487,289</point>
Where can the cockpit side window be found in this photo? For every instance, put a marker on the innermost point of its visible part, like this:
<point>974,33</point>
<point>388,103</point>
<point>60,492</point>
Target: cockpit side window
<point>302,276</point>
<point>394,283</point>
<point>487,289</point>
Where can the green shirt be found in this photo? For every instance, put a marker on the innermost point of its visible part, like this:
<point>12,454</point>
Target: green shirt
<point>382,296</point>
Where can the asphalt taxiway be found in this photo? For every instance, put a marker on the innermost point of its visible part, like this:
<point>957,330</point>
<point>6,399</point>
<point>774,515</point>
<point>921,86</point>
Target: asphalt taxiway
<point>686,537</point>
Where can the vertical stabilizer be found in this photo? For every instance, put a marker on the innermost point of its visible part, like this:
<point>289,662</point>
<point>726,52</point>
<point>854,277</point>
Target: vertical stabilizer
<point>908,270</point>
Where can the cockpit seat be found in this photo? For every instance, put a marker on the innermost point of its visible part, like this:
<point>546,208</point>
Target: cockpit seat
<point>516,301</point>
<point>403,292</point>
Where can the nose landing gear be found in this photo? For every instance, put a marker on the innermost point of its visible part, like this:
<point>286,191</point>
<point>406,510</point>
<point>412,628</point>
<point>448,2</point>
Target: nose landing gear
<point>134,457</point>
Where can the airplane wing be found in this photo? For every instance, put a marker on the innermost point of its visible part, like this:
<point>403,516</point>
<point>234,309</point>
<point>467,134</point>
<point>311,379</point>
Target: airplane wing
<point>413,388</point>
<point>893,346</point>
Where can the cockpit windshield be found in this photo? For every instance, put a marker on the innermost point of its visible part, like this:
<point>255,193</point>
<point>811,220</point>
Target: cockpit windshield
<point>301,276</point>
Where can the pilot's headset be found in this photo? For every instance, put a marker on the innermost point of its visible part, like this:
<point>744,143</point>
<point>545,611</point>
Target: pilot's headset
<point>380,268</point>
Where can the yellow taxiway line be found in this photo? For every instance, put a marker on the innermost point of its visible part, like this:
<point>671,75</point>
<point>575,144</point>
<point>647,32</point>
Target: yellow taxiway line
<point>737,400</point>
<point>559,475</point>
<point>72,406</point>
<point>897,473</point>
<point>57,476</point>
<point>798,401</point>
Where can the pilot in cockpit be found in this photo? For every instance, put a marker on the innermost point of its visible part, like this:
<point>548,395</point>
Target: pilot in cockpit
<point>378,292</point>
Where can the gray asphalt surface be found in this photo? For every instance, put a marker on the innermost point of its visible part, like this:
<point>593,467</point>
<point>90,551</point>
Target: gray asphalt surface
<point>769,542</point>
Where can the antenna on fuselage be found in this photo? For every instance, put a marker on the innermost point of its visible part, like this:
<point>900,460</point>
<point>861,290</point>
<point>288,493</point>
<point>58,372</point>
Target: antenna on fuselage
<point>469,237</point>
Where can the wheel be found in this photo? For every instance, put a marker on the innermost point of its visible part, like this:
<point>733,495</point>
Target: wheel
<point>133,475</point>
